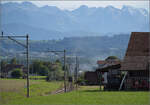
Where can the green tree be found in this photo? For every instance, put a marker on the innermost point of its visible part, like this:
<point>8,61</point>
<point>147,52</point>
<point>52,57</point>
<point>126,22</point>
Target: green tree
<point>17,73</point>
<point>40,67</point>
<point>56,72</point>
<point>36,66</point>
<point>112,58</point>
<point>57,61</point>
<point>43,70</point>
<point>3,64</point>
<point>13,61</point>
<point>2,67</point>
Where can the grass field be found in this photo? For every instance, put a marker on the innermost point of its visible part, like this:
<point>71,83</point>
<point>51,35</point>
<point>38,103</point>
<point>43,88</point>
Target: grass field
<point>13,93</point>
<point>37,77</point>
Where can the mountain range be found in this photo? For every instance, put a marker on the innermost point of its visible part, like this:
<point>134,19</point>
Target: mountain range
<point>50,22</point>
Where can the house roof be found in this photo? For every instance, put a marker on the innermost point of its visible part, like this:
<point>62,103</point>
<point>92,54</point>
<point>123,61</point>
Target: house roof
<point>101,62</point>
<point>10,67</point>
<point>137,56</point>
<point>109,62</point>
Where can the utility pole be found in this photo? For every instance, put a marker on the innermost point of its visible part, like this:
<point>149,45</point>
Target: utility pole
<point>0,68</point>
<point>1,65</point>
<point>27,52</point>
<point>65,87</point>
<point>76,72</point>
<point>72,75</point>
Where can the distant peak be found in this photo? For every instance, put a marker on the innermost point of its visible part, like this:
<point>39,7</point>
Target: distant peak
<point>130,9</point>
<point>47,6</point>
<point>126,7</point>
<point>110,6</point>
<point>83,7</point>
<point>143,11</point>
<point>53,8</point>
<point>27,3</point>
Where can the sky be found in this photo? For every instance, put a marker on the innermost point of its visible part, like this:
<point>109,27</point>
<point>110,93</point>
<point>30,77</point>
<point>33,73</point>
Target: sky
<point>71,5</point>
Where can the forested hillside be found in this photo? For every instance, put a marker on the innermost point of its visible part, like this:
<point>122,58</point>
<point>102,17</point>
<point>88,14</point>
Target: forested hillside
<point>101,46</point>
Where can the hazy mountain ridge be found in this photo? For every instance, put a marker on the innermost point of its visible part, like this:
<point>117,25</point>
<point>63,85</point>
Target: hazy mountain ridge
<point>93,46</point>
<point>50,22</point>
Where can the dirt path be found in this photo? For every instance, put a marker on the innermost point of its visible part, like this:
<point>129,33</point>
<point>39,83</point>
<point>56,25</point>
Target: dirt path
<point>70,88</point>
<point>58,91</point>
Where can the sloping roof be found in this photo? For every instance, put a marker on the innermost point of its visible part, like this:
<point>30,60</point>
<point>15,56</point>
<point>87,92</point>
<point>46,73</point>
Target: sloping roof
<point>10,67</point>
<point>108,62</point>
<point>112,67</point>
<point>138,52</point>
<point>101,62</point>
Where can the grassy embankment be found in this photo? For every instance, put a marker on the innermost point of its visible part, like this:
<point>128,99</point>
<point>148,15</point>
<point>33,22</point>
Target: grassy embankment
<point>13,92</point>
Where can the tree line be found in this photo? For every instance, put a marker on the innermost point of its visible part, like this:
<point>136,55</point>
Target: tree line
<point>53,70</point>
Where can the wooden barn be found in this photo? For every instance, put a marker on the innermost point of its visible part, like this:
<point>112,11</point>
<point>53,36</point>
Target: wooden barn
<point>107,74</point>
<point>136,63</point>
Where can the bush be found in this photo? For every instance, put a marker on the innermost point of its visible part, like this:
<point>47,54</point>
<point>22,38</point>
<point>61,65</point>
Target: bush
<point>43,71</point>
<point>16,73</point>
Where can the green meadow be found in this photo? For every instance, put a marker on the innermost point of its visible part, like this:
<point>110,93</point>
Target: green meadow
<point>13,92</point>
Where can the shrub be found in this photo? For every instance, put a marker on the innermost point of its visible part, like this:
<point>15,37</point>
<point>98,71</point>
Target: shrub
<point>16,73</point>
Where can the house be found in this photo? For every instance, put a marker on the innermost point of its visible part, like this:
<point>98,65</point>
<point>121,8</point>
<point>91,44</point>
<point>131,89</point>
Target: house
<point>136,62</point>
<point>9,68</point>
<point>109,77</point>
<point>105,72</point>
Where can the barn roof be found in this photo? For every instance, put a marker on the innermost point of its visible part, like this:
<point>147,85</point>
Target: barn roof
<point>137,56</point>
<point>10,67</point>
